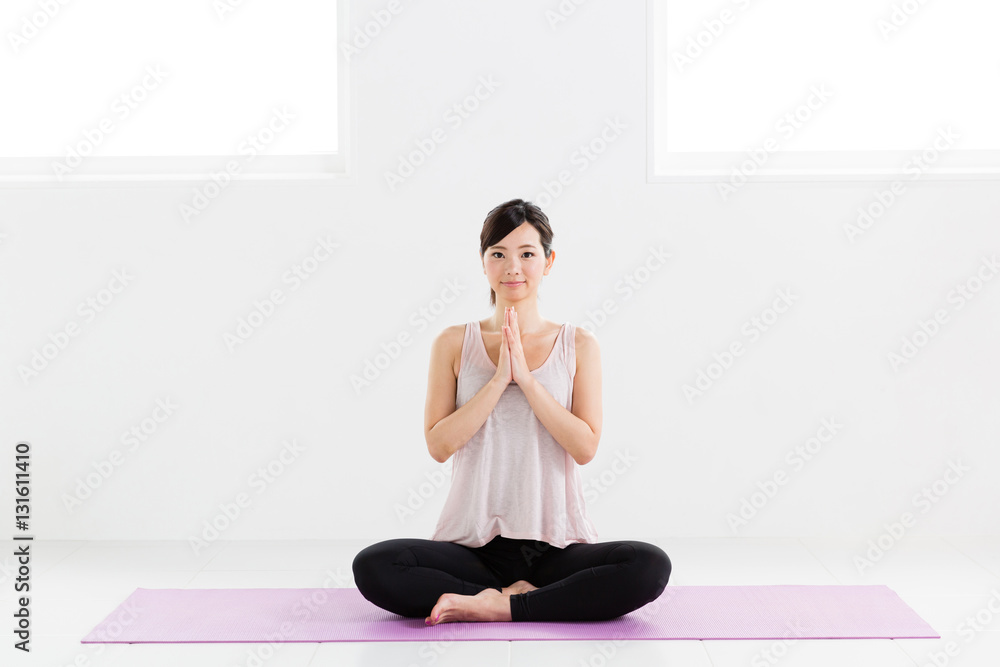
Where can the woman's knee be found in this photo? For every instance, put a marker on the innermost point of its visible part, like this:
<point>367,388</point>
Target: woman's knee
<point>652,567</point>
<point>372,564</point>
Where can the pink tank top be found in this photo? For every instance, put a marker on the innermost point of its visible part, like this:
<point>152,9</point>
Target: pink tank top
<point>512,478</point>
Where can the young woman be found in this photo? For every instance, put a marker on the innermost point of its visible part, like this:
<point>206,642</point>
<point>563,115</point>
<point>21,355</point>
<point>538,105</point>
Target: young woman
<point>516,399</point>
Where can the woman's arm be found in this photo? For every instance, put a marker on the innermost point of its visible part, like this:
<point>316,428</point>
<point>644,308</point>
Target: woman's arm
<point>579,431</point>
<point>446,429</point>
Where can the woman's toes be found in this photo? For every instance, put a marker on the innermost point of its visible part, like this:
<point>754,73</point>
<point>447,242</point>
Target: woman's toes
<point>442,610</point>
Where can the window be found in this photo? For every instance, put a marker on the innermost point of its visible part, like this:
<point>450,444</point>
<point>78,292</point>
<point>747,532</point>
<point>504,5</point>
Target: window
<point>800,90</point>
<point>125,90</point>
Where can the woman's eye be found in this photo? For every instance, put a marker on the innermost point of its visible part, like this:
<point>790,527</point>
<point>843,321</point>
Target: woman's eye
<point>526,252</point>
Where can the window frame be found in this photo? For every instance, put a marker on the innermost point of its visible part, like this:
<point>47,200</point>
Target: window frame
<point>810,166</point>
<point>333,167</point>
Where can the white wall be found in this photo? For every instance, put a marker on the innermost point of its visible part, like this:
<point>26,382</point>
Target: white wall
<point>162,336</point>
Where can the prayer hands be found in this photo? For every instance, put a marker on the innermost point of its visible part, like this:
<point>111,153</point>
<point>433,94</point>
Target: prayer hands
<point>512,365</point>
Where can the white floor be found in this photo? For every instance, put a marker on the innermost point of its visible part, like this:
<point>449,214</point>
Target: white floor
<point>950,582</point>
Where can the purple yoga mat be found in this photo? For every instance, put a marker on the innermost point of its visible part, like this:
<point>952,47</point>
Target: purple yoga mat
<point>177,615</point>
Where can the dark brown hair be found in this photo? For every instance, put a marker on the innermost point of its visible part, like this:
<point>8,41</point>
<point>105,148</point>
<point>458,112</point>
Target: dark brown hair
<point>509,215</point>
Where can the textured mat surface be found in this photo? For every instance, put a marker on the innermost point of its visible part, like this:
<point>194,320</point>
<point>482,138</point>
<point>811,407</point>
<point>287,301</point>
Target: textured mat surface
<point>174,615</point>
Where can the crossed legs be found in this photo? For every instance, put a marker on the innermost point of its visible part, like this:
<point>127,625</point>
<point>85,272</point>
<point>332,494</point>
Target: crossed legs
<point>517,580</point>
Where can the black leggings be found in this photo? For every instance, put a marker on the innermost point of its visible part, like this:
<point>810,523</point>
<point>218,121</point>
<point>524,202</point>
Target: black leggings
<point>581,582</point>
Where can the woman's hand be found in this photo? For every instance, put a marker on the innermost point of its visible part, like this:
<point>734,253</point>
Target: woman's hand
<point>504,374</point>
<point>512,340</point>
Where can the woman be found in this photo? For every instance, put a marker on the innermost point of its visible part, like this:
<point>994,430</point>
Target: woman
<point>516,400</point>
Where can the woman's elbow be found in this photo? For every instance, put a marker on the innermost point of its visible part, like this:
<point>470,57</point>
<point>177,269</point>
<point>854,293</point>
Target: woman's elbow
<point>434,453</point>
<point>437,451</point>
<point>587,455</point>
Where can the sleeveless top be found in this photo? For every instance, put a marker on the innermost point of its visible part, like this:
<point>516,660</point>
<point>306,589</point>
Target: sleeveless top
<point>512,478</point>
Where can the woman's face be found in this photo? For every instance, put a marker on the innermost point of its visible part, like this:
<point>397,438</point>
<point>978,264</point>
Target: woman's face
<point>516,264</point>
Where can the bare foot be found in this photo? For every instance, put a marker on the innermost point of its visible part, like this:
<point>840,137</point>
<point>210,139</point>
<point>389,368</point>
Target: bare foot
<point>520,586</point>
<point>488,604</point>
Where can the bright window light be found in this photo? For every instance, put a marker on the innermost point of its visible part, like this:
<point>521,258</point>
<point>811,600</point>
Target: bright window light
<point>110,88</point>
<point>811,90</point>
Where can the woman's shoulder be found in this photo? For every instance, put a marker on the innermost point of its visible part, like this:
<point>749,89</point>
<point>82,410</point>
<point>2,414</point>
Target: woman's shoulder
<point>584,338</point>
<point>451,335</point>
<point>586,349</point>
<point>449,342</point>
